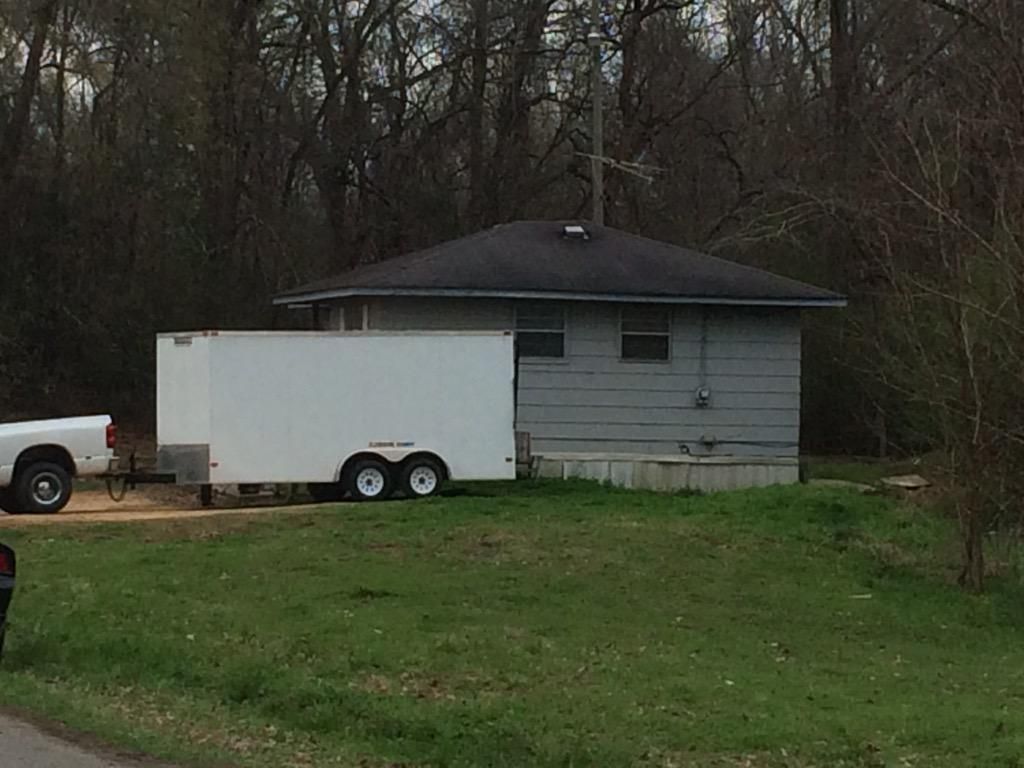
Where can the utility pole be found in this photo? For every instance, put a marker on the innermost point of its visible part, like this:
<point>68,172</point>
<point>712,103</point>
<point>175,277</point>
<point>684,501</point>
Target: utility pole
<point>597,94</point>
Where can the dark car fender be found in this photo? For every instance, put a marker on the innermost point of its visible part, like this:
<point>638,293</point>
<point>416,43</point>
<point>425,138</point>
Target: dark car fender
<point>8,561</point>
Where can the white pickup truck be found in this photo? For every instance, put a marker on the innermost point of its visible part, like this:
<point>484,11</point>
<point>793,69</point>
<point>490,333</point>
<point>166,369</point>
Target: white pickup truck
<point>39,458</point>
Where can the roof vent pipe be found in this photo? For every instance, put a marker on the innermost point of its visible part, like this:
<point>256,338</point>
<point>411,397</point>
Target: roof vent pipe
<point>575,232</point>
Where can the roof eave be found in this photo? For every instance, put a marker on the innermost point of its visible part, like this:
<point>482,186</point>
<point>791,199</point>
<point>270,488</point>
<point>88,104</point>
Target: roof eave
<point>334,294</point>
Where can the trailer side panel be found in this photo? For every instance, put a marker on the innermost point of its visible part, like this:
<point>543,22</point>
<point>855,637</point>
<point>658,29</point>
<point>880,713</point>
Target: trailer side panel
<point>293,407</point>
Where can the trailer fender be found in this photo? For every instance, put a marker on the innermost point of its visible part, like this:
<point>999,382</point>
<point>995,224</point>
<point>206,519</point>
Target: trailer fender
<point>395,456</point>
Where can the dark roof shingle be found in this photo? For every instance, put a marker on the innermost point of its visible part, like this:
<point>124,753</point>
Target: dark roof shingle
<point>535,258</point>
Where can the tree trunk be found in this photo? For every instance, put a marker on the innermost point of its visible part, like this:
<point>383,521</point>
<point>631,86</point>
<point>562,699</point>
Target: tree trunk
<point>972,573</point>
<point>16,129</point>
<point>60,116</point>
<point>841,48</point>
<point>511,155</point>
<point>476,114</point>
<point>881,429</point>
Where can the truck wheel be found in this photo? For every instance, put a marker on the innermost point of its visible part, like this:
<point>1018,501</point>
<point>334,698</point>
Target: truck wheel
<point>421,477</point>
<point>370,480</point>
<point>42,488</point>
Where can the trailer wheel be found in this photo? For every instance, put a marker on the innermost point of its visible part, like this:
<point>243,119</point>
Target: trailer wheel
<point>370,480</point>
<point>42,488</point>
<point>6,500</point>
<point>421,477</point>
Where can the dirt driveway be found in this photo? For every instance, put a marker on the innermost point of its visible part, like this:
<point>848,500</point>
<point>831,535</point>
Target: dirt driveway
<point>96,506</point>
<point>26,745</point>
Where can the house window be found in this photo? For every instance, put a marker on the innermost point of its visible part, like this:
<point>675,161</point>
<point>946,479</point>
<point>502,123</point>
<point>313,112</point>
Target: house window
<point>540,330</point>
<point>646,333</point>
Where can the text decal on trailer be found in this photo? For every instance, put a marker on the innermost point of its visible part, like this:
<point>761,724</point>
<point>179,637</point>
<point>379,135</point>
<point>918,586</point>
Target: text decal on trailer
<point>391,444</point>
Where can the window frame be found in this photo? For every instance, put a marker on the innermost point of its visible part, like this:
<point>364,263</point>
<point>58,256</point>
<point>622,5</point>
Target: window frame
<point>667,333</point>
<point>518,308</point>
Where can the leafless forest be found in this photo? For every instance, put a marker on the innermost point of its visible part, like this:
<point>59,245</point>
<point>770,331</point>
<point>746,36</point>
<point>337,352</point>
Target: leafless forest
<point>172,163</point>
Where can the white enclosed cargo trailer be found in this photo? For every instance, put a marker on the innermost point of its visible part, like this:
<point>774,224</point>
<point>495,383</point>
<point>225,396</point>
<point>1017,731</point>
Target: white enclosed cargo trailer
<point>358,413</point>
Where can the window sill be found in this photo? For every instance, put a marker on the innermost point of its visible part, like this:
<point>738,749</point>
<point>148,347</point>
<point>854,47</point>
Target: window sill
<point>543,360</point>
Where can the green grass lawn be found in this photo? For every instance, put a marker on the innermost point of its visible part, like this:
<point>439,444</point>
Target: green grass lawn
<point>527,625</point>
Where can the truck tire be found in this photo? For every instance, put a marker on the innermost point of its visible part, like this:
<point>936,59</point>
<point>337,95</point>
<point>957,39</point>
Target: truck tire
<point>369,480</point>
<point>421,477</point>
<point>42,488</point>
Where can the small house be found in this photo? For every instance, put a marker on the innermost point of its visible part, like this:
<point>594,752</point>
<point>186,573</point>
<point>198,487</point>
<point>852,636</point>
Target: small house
<point>638,362</point>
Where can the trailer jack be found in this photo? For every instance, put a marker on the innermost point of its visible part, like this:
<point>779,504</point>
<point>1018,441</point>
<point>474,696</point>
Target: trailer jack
<point>133,478</point>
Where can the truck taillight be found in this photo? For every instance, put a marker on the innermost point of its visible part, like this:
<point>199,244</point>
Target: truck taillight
<point>6,563</point>
<point>111,436</point>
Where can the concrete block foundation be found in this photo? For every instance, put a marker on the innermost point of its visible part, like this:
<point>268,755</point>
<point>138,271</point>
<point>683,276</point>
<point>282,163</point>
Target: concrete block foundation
<point>672,473</point>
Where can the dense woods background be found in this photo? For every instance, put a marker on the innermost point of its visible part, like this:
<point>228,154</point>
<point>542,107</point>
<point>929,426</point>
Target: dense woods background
<point>167,164</point>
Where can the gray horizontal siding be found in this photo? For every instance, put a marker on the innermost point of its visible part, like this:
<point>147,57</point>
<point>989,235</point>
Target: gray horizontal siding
<point>666,432</point>
<point>667,397</point>
<point>650,415</point>
<point>569,379</point>
<point>690,348</point>
<point>733,366</point>
<point>592,401</point>
<point>553,445</point>
<point>718,333</point>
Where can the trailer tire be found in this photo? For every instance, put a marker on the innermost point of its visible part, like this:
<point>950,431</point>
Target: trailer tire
<point>323,493</point>
<point>369,480</point>
<point>421,477</point>
<point>6,501</point>
<point>42,488</point>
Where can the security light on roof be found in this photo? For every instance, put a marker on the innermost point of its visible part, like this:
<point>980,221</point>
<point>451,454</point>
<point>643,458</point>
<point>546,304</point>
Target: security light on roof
<point>575,232</point>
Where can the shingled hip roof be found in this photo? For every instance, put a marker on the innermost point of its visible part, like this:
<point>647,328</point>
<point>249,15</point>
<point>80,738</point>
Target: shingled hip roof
<point>537,259</point>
